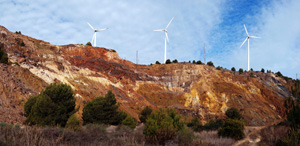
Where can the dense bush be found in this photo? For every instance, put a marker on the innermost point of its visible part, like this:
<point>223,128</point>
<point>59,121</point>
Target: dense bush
<point>53,106</point>
<point>168,61</point>
<point>199,62</point>
<point>194,62</point>
<point>210,63</point>
<point>73,123</point>
<point>107,111</point>
<point>232,128</point>
<point>213,125</point>
<point>144,114</point>
<point>3,57</point>
<point>18,32</point>
<point>129,121</point>
<point>233,113</point>
<point>292,112</point>
<point>233,69</point>
<point>157,62</point>
<point>89,44</point>
<point>175,61</point>
<point>279,74</point>
<point>185,136</point>
<point>162,125</point>
<point>219,68</point>
<point>241,71</point>
<point>195,124</point>
<point>263,70</point>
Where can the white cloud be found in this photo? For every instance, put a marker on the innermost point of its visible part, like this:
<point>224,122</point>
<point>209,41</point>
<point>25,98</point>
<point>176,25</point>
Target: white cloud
<point>130,24</point>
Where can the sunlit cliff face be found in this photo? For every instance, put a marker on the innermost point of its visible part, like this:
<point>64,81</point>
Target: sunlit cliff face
<point>194,90</point>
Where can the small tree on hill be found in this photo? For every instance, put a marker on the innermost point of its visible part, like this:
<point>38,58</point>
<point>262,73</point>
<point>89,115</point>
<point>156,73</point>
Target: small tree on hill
<point>168,61</point>
<point>157,62</point>
<point>89,44</point>
<point>199,62</point>
<point>107,111</point>
<point>194,62</point>
<point>144,114</point>
<point>53,106</point>
<point>210,63</point>
<point>233,113</point>
<point>175,61</point>
<point>241,71</point>
<point>232,69</point>
<point>263,70</point>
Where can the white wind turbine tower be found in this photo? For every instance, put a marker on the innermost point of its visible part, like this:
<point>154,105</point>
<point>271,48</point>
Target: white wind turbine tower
<point>248,38</point>
<point>166,38</point>
<point>94,36</point>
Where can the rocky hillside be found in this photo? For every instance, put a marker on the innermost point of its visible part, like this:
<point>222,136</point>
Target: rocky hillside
<point>194,90</point>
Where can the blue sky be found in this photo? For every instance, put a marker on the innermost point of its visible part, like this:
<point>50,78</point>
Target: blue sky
<point>217,23</point>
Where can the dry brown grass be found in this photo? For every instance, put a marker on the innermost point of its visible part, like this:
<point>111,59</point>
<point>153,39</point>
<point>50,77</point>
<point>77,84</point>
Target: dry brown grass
<point>89,135</point>
<point>212,138</point>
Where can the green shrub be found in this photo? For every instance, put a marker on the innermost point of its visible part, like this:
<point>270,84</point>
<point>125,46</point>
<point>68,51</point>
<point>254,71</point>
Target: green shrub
<point>194,62</point>
<point>232,69</point>
<point>233,113</point>
<point>241,71</point>
<point>162,125</point>
<point>168,61</point>
<point>199,62</point>
<point>279,74</point>
<point>210,63</point>
<point>219,68</point>
<point>144,114</point>
<point>88,44</point>
<point>28,105</point>
<point>195,124</point>
<point>129,121</point>
<point>52,107</point>
<point>213,125</point>
<point>107,111</point>
<point>263,70</point>
<point>185,136</point>
<point>3,57</point>
<point>157,62</point>
<point>232,128</point>
<point>73,123</point>
<point>175,61</point>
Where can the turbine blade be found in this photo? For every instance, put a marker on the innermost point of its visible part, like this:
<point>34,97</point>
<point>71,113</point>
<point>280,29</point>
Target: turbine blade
<point>91,26</point>
<point>97,30</point>
<point>254,37</point>
<point>167,36</point>
<point>244,42</point>
<point>159,30</point>
<point>246,30</point>
<point>169,23</point>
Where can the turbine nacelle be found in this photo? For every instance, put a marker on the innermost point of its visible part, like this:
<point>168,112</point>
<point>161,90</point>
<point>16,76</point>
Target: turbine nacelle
<point>94,36</point>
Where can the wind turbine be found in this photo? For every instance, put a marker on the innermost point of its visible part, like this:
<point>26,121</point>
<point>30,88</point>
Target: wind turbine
<point>248,38</point>
<point>94,36</point>
<point>166,38</point>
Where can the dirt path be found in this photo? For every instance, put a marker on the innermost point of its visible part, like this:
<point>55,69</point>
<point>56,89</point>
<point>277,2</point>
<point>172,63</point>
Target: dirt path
<point>252,136</point>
